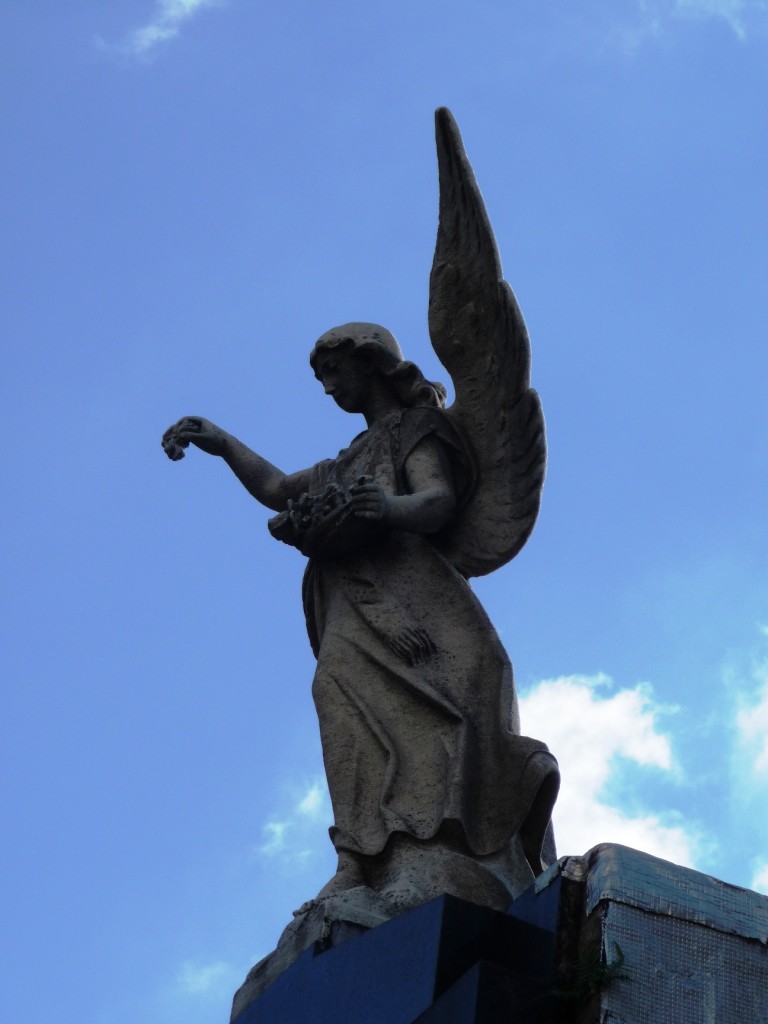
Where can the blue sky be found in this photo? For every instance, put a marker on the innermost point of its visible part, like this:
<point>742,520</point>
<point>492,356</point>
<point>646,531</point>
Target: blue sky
<point>192,192</point>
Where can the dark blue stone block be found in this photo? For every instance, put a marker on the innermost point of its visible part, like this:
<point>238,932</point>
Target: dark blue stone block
<point>488,994</point>
<point>395,973</point>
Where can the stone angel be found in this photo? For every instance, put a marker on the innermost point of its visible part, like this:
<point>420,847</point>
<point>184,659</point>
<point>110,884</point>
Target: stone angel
<point>432,785</point>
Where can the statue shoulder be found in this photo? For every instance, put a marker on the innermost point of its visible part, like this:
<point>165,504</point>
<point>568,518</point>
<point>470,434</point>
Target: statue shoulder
<point>419,422</point>
<point>416,424</point>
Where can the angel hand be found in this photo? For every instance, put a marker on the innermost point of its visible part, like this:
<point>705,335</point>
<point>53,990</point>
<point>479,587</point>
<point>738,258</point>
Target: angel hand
<point>198,431</point>
<point>369,501</point>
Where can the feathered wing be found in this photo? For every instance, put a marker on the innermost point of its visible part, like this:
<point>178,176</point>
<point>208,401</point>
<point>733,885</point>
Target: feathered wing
<point>479,335</point>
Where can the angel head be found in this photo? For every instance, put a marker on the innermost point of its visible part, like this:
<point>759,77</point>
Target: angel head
<point>356,359</point>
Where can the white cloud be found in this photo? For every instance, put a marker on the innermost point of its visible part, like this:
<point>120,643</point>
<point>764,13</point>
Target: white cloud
<point>314,802</point>
<point>274,837</point>
<point>206,979</point>
<point>594,736</point>
<point>169,16</point>
<point>760,879</point>
<point>752,722</point>
<point>294,834</point>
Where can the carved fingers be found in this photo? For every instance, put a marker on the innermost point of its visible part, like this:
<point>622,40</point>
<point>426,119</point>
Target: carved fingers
<point>196,430</point>
<point>369,501</point>
<point>174,442</point>
<point>413,645</point>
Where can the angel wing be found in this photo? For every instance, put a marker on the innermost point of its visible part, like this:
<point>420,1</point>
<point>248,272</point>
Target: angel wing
<point>479,336</point>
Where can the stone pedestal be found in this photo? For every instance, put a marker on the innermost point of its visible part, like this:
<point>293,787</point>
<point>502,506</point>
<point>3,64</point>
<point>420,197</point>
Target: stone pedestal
<point>614,936</point>
<point>447,961</point>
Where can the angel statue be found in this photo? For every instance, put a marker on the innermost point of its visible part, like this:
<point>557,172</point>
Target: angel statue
<point>434,790</point>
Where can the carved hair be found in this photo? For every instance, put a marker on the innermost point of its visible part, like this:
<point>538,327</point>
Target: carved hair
<point>378,347</point>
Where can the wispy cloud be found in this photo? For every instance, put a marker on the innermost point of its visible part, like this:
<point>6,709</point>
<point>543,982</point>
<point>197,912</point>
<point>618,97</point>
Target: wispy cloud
<point>752,722</point>
<point>293,834</point>
<point>653,20</point>
<point>735,13</point>
<point>760,878</point>
<point>206,979</point>
<point>169,16</point>
<point>596,735</point>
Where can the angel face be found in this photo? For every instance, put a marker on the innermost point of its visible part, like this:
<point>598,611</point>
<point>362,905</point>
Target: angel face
<point>345,377</point>
<point>384,381</point>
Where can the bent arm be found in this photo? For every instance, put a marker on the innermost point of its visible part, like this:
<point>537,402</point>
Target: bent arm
<point>431,499</point>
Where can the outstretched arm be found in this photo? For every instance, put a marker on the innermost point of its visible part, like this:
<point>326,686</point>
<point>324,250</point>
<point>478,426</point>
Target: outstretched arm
<point>268,484</point>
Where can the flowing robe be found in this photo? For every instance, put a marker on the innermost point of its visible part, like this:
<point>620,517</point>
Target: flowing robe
<point>412,748</point>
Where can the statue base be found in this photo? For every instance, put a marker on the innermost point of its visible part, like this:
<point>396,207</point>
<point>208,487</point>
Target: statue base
<point>406,875</point>
<point>614,935</point>
<point>446,956</point>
